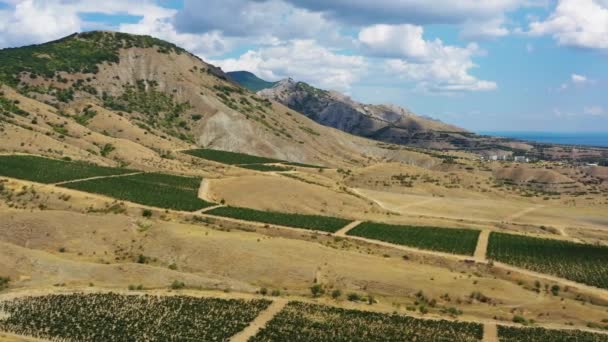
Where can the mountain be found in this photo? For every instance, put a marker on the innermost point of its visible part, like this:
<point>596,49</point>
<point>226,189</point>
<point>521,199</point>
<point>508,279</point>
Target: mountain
<point>145,97</point>
<point>250,81</point>
<point>387,123</point>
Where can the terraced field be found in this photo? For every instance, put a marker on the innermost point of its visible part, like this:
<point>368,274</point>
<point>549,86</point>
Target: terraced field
<point>153,189</point>
<point>457,241</point>
<point>265,168</point>
<point>313,222</point>
<point>114,317</point>
<point>582,263</point>
<point>230,158</point>
<point>511,334</point>
<point>308,322</point>
<point>46,170</point>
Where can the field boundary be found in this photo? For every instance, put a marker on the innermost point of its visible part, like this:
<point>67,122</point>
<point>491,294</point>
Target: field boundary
<point>343,231</point>
<point>275,303</point>
<point>490,332</point>
<point>98,177</point>
<point>482,245</point>
<point>260,322</point>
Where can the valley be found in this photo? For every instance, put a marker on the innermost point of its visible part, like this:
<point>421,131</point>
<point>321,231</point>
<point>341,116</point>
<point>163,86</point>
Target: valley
<point>139,176</point>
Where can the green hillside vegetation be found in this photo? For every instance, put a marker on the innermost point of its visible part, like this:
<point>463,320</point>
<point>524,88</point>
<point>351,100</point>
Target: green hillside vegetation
<point>583,263</point>
<point>250,81</point>
<point>230,158</point>
<point>313,222</point>
<point>73,54</point>
<point>45,170</point>
<point>310,322</point>
<point>157,190</point>
<point>114,317</point>
<point>512,334</point>
<point>457,241</point>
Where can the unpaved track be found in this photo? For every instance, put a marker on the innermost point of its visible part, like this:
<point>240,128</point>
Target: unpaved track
<point>10,337</point>
<point>99,177</point>
<point>482,245</point>
<point>260,321</point>
<point>204,190</point>
<point>522,213</point>
<point>342,232</point>
<point>202,211</point>
<point>490,332</point>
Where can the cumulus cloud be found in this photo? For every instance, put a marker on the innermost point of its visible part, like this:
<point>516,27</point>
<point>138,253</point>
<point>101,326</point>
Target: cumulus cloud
<point>579,79</point>
<point>435,66</point>
<point>36,21</point>
<point>576,23</point>
<point>303,60</point>
<point>365,12</point>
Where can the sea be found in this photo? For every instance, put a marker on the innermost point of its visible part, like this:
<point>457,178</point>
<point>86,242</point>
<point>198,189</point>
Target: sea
<point>584,139</point>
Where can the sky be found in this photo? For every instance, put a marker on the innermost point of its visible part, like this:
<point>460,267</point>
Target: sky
<point>485,65</point>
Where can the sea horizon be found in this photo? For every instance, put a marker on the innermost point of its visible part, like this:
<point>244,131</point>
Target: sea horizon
<point>599,139</point>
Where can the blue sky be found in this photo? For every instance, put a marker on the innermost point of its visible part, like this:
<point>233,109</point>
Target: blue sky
<point>491,65</point>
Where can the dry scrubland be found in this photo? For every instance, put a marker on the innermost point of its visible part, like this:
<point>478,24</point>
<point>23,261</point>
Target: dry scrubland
<point>144,218</point>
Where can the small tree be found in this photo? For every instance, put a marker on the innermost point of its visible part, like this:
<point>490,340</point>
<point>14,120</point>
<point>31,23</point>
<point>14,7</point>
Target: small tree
<point>317,290</point>
<point>147,213</point>
<point>177,285</point>
<point>335,294</point>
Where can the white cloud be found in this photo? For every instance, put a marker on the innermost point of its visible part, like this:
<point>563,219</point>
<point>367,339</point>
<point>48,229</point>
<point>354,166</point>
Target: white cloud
<point>35,22</point>
<point>303,60</point>
<point>576,23</point>
<point>488,29</point>
<point>579,79</point>
<point>595,111</point>
<point>38,21</point>
<point>204,45</point>
<point>435,66</point>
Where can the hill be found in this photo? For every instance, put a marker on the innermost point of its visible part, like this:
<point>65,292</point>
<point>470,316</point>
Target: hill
<point>138,93</point>
<point>250,81</point>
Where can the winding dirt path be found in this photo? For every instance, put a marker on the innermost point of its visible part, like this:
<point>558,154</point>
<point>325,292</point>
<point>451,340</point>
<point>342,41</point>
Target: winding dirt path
<point>260,321</point>
<point>521,213</point>
<point>204,190</point>
<point>99,177</point>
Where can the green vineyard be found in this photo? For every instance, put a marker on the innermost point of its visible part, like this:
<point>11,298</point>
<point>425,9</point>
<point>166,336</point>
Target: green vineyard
<point>265,168</point>
<point>511,334</point>
<point>114,317</point>
<point>231,158</point>
<point>587,264</point>
<point>46,170</point>
<point>300,322</point>
<point>457,241</point>
<point>313,222</point>
<point>157,190</point>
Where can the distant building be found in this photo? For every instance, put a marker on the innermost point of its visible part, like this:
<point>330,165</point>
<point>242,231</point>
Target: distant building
<point>494,158</point>
<point>521,159</point>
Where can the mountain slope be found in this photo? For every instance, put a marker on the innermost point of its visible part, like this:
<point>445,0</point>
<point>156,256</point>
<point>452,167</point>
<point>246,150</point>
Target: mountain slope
<point>146,97</point>
<point>250,81</point>
<point>386,123</point>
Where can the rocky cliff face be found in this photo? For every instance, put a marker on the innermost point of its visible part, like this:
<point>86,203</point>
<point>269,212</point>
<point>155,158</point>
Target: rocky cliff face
<point>387,123</point>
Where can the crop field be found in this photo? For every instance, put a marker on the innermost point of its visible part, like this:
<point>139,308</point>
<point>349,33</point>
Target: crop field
<point>45,170</point>
<point>582,263</point>
<point>313,222</point>
<point>157,190</point>
<point>457,241</point>
<point>265,168</point>
<point>231,158</point>
<point>309,322</point>
<point>511,334</point>
<point>114,317</point>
